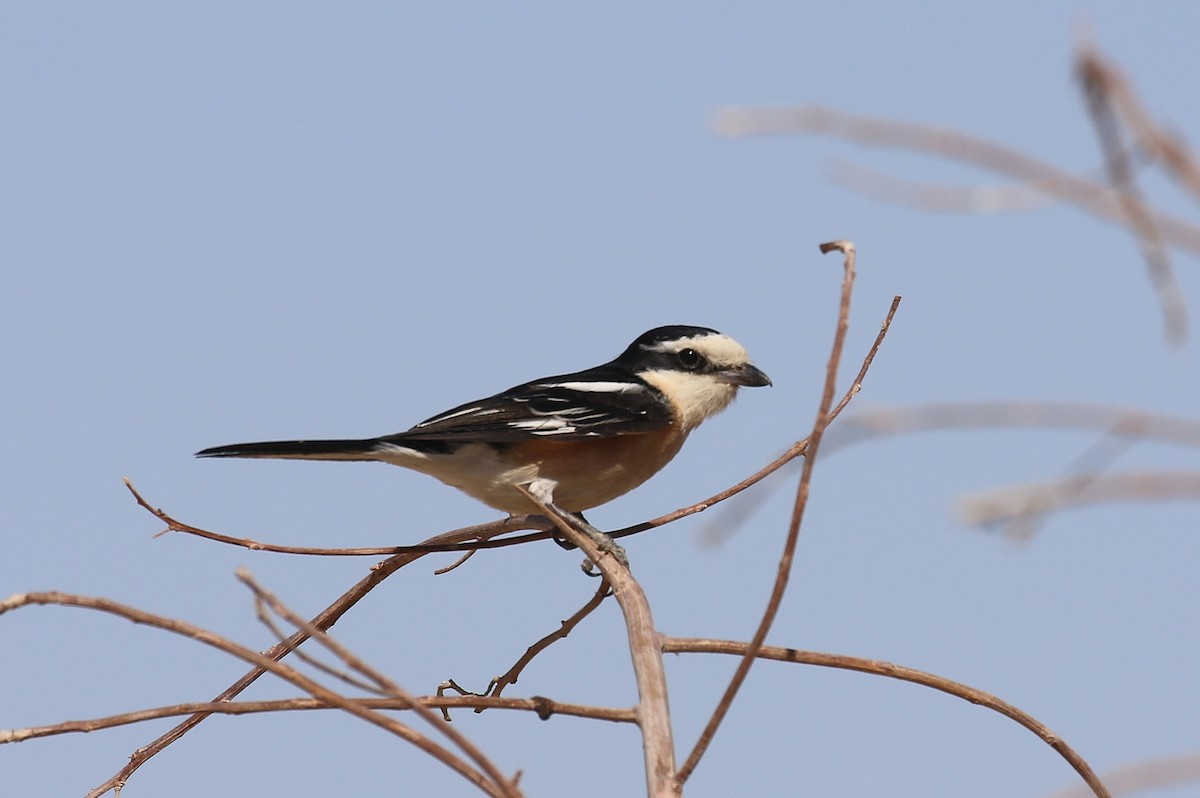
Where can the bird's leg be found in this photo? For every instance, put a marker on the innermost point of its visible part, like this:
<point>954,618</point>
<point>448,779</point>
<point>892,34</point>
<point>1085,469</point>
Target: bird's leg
<point>602,540</point>
<point>544,491</point>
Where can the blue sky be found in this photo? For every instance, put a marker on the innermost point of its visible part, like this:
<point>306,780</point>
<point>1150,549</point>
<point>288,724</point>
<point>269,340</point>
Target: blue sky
<point>230,222</point>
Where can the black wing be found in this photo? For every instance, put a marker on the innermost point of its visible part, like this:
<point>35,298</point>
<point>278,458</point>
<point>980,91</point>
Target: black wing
<point>599,402</point>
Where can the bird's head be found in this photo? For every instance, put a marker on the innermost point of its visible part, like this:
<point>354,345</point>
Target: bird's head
<point>698,369</point>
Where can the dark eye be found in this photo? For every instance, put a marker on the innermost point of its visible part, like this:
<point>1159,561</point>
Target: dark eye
<point>690,359</point>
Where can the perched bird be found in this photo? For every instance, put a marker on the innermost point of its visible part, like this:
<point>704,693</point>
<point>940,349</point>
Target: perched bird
<point>590,436</point>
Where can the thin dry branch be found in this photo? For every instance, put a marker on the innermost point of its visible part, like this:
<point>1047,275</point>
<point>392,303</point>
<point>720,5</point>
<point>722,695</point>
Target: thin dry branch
<point>979,199</point>
<point>263,662</point>
<point>565,628</point>
<point>784,570</point>
<point>679,645</point>
<point>1171,151</point>
<point>1019,508</point>
<point>1097,87</point>
<point>1117,421</point>
<point>468,538</point>
<point>1121,427</point>
<point>323,620</point>
<point>1018,502</point>
<point>448,568</point>
<point>544,708</point>
<point>1093,461</point>
<point>954,198</point>
<point>263,614</point>
<point>504,785</point>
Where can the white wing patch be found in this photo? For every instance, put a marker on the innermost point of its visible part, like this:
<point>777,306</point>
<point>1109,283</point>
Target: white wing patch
<point>544,426</point>
<point>595,387</point>
<point>568,407</point>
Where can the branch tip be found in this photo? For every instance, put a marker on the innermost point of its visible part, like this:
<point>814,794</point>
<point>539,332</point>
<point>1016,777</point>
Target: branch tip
<point>841,245</point>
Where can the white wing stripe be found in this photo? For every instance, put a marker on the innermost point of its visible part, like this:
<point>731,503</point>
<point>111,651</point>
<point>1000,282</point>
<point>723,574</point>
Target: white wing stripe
<point>544,426</point>
<point>596,387</point>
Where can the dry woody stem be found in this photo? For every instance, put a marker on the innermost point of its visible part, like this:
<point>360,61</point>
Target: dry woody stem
<point>789,550</point>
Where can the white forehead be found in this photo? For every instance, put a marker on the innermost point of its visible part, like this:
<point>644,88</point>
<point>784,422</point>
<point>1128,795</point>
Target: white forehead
<point>719,349</point>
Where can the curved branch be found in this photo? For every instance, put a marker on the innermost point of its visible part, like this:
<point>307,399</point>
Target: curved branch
<point>264,662</point>
<point>1119,421</point>
<point>682,645</point>
<point>323,620</point>
<point>565,628</point>
<point>1097,88</point>
<point>1021,502</point>
<point>471,751</point>
<point>786,559</point>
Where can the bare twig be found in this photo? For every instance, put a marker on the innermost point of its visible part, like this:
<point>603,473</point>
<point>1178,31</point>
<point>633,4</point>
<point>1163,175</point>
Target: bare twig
<point>678,645</point>
<point>1120,426</point>
<point>502,784</point>
<point>1019,506</point>
<point>1169,150</point>
<point>1087,466</point>
<point>1097,88</point>
<point>263,662</point>
<point>544,708</point>
<point>565,628</point>
<point>789,550</point>
<point>1117,421</point>
<point>470,538</point>
<point>448,568</point>
<point>1021,501</point>
<point>978,199</point>
<point>324,620</point>
<point>265,618</point>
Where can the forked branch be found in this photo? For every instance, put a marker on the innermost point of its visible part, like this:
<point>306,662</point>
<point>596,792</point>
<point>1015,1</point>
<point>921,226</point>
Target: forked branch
<point>499,789</point>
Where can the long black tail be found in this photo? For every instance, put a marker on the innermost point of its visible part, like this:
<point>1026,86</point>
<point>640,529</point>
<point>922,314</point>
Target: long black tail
<point>298,450</point>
